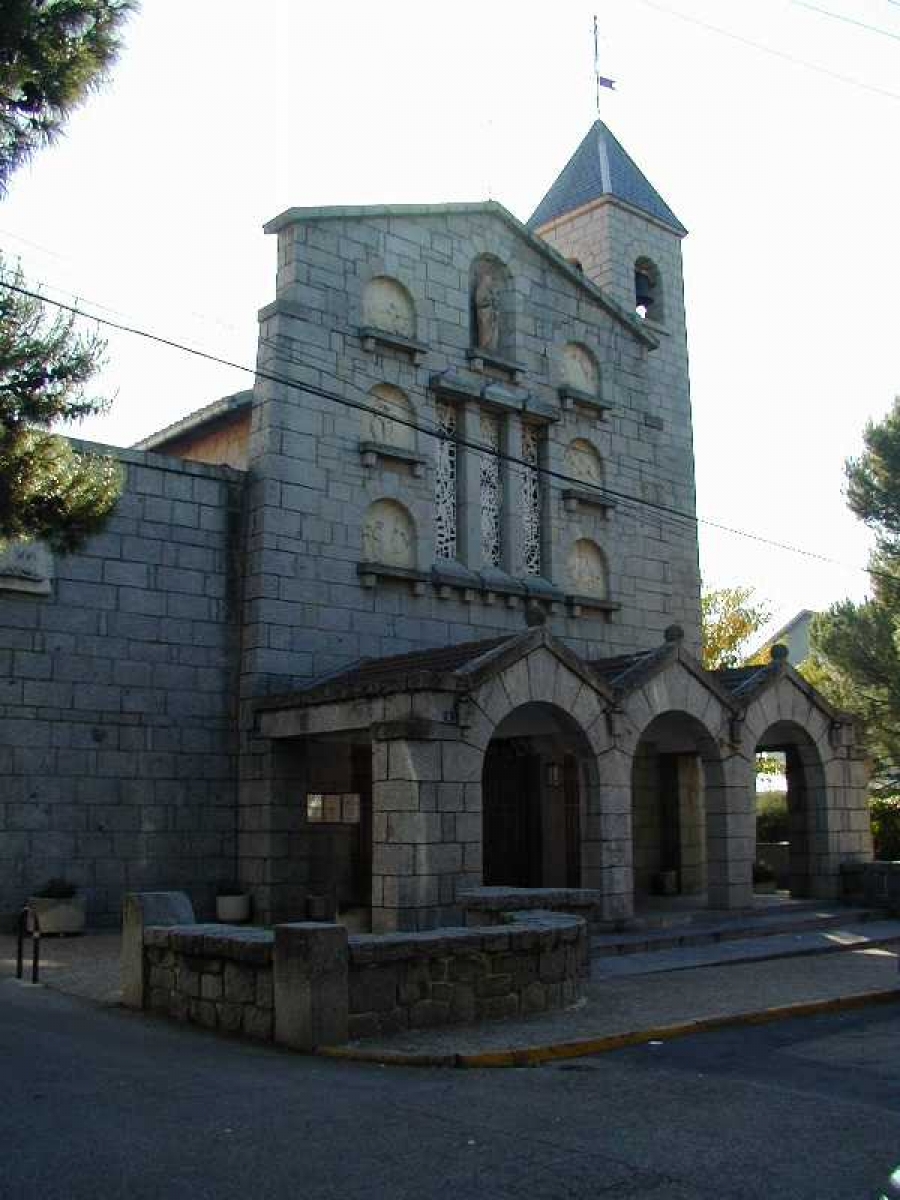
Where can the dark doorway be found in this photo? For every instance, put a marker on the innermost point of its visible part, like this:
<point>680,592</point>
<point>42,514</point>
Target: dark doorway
<point>512,815</point>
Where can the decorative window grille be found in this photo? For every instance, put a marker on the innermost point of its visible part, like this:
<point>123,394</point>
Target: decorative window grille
<point>491,497</point>
<point>531,500</point>
<point>445,484</point>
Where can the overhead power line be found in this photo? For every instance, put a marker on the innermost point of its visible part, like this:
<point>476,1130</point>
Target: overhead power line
<point>635,502</point>
<point>825,12</point>
<point>773,51</point>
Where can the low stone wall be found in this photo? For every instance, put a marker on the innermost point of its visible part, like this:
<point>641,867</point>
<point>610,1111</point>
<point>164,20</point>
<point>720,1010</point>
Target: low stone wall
<point>211,975</point>
<point>453,976</point>
<point>309,984</point>
<point>876,883</point>
<point>495,905</point>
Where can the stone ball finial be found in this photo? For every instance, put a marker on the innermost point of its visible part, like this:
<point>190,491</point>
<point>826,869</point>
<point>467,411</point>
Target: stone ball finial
<point>779,653</point>
<point>534,614</point>
<point>674,633</point>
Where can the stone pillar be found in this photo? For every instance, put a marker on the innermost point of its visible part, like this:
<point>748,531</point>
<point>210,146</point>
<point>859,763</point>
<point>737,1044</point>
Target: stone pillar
<point>139,910</point>
<point>512,535</point>
<point>423,840</point>
<point>310,977</point>
<point>468,487</point>
<point>731,835</point>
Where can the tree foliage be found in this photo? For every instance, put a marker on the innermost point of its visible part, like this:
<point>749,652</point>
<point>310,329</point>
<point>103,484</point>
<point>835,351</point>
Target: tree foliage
<point>730,618</point>
<point>47,489</point>
<point>856,647</point>
<point>52,53</point>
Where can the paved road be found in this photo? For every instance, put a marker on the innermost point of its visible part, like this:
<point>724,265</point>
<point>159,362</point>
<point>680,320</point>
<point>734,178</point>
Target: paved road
<point>99,1104</point>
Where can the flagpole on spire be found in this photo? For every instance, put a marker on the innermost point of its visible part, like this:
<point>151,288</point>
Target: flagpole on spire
<point>600,80</point>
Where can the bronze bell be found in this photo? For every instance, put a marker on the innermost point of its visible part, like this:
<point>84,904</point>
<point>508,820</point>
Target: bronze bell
<point>643,291</point>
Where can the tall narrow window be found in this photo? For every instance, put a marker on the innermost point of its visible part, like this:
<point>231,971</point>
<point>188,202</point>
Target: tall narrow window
<point>445,484</point>
<point>491,498</point>
<point>531,499</point>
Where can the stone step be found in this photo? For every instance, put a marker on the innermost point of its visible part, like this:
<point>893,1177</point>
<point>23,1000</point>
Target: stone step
<point>869,934</point>
<point>735,927</point>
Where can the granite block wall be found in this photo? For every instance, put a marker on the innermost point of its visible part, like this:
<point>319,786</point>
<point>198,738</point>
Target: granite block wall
<point>117,709</point>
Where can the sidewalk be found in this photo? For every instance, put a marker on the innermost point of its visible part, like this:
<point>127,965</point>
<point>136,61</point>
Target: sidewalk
<point>622,1011</point>
<point>86,965</point>
<point>665,994</point>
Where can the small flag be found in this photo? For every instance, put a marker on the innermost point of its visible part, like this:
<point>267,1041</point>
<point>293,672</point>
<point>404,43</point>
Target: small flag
<point>602,81</point>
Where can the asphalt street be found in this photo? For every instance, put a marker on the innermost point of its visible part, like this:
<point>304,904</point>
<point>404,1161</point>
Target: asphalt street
<point>99,1103</point>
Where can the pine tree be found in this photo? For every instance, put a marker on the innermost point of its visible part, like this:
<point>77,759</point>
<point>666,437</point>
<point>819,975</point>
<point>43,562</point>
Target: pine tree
<point>856,659</point>
<point>47,489</point>
<point>52,53</point>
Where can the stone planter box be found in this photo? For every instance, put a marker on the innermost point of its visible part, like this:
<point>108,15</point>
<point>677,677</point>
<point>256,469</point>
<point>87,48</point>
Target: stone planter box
<point>232,910</point>
<point>58,915</point>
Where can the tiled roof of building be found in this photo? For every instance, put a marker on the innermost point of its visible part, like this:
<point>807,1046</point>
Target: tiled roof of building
<point>738,679</point>
<point>601,167</point>
<point>614,670</point>
<point>217,411</point>
<point>396,672</point>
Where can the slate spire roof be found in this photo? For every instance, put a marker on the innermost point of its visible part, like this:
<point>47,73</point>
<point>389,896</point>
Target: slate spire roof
<point>601,167</point>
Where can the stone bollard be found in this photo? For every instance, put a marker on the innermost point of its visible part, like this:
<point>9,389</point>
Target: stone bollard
<point>311,985</point>
<point>139,910</point>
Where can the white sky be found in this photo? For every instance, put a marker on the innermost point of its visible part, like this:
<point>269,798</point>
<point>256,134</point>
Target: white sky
<point>220,114</point>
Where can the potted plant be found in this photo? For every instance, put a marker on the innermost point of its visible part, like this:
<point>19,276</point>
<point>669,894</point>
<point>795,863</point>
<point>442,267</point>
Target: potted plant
<point>764,878</point>
<point>232,903</point>
<point>58,906</point>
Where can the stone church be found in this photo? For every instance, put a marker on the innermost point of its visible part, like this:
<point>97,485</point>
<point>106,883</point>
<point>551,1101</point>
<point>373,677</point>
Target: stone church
<point>420,612</point>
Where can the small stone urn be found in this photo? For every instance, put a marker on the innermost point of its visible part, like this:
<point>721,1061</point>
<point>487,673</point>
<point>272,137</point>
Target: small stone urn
<point>232,905</point>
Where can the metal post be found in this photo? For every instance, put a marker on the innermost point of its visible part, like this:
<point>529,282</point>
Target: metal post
<point>35,946</point>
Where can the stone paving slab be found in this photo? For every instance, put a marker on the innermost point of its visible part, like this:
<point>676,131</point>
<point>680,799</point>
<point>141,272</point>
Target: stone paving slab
<point>86,965</point>
<point>624,1006</point>
<point>747,949</point>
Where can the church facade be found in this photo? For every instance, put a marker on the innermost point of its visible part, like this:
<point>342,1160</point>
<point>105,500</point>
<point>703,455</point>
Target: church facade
<point>420,612</point>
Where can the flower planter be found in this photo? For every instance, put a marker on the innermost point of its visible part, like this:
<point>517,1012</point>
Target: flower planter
<point>233,909</point>
<point>58,915</point>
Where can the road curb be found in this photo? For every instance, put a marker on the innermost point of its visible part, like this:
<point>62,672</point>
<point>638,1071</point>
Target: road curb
<point>530,1056</point>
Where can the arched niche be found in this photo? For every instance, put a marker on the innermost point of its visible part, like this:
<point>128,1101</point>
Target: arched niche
<point>491,306</point>
<point>388,306</point>
<point>583,462</point>
<point>580,369</point>
<point>389,535</point>
<point>588,571</point>
<point>388,425</point>
<point>648,292</point>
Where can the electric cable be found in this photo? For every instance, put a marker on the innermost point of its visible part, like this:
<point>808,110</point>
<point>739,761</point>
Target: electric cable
<point>782,54</point>
<point>657,507</point>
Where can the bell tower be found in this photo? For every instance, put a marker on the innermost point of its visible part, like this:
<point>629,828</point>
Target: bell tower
<point>604,214</point>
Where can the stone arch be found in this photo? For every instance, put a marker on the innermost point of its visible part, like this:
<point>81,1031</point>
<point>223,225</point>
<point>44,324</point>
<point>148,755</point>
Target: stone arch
<point>648,290</point>
<point>681,840</point>
<point>583,462</point>
<point>580,368</point>
<point>382,426</point>
<point>389,535</point>
<point>491,306</point>
<point>588,569</point>
<point>388,306</point>
<point>825,809</point>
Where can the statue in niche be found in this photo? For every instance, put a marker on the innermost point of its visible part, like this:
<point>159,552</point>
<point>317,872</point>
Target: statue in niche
<point>587,569</point>
<point>388,536</point>
<point>487,309</point>
<point>583,462</point>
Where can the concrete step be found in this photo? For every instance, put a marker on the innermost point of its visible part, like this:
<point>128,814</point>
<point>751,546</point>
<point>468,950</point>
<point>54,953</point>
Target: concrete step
<point>868,934</point>
<point>713,929</point>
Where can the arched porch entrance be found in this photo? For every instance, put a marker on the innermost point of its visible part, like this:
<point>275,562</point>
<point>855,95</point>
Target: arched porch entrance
<point>794,865</point>
<point>538,769</point>
<point>678,809</point>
